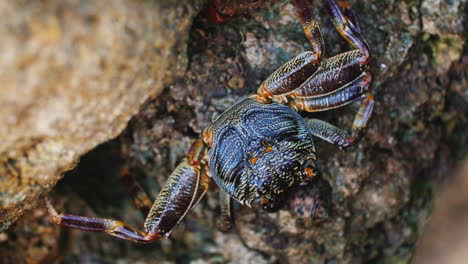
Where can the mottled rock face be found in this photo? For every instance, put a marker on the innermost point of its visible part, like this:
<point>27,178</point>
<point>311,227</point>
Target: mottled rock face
<point>381,190</point>
<point>73,73</point>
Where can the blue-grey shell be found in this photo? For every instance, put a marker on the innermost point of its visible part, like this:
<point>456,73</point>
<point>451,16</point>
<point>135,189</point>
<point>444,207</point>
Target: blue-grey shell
<point>238,135</point>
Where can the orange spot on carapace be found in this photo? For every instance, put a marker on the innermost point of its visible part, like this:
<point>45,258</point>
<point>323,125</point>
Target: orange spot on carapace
<point>309,172</point>
<point>253,160</point>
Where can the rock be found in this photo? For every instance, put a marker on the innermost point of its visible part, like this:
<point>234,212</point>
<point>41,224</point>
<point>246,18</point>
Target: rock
<point>73,73</point>
<point>381,190</point>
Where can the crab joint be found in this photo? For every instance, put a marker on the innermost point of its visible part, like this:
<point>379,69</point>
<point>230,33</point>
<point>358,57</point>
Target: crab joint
<point>55,216</point>
<point>195,154</point>
<point>261,99</point>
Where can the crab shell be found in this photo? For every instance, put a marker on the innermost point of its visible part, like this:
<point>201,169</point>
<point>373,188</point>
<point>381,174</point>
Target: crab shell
<point>260,151</point>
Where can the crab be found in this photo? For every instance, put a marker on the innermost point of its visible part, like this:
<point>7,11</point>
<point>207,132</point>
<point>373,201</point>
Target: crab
<point>260,149</point>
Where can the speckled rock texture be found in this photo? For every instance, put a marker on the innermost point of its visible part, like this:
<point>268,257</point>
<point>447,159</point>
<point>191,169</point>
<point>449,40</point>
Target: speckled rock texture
<point>72,74</point>
<point>381,190</point>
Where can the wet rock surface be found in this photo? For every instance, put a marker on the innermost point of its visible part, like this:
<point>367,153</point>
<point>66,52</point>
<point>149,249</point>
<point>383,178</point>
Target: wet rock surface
<point>381,190</point>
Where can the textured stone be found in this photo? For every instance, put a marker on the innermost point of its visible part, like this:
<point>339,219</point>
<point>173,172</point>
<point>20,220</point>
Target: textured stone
<point>73,73</point>
<point>382,189</point>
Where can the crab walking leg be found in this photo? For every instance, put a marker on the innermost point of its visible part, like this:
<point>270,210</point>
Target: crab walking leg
<point>289,76</point>
<point>325,98</point>
<point>340,137</point>
<point>183,189</point>
<point>205,181</point>
<point>293,73</point>
<point>310,26</point>
<point>350,14</point>
<point>346,27</point>
<point>112,227</point>
<point>334,73</point>
<point>227,219</point>
<point>139,197</point>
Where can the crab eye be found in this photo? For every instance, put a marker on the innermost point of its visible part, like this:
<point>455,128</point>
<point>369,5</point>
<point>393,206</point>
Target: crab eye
<point>316,171</point>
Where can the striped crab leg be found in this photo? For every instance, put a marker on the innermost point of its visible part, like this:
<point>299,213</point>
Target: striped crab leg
<point>183,190</point>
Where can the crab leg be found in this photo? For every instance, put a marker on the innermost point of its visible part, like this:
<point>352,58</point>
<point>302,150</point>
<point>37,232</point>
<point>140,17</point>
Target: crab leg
<point>342,68</point>
<point>289,76</point>
<point>184,188</point>
<point>328,93</point>
<point>108,226</point>
<point>350,14</point>
<point>346,27</point>
<point>340,137</point>
<point>311,26</point>
<point>334,73</point>
<point>340,80</point>
<point>293,73</point>
<point>227,219</point>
